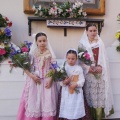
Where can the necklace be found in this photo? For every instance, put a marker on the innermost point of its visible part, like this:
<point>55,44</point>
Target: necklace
<point>42,51</point>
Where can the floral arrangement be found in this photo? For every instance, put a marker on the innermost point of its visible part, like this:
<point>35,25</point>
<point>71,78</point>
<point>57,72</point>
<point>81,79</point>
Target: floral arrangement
<point>4,21</point>
<point>5,37</point>
<point>20,56</point>
<point>57,73</point>
<point>84,57</point>
<point>65,10</point>
<point>117,35</point>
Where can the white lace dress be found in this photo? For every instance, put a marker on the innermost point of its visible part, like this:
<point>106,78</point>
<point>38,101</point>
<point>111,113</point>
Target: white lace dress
<point>72,105</point>
<point>95,88</point>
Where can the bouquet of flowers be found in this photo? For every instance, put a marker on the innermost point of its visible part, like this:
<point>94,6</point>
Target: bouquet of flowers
<point>65,10</point>
<point>57,73</point>
<point>84,57</point>
<point>5,37</point>
<point>4,21</point>
<point>20,56</point>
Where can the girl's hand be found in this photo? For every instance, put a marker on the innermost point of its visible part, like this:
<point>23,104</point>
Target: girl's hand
<point>48,84</point>
<point>98,69</point>
<point>91,69</point>
<point>66,81</point>
<point>73,85</point>
<point>36,78</point>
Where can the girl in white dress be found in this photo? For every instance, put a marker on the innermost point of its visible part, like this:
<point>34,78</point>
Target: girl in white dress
<point>72,103</point>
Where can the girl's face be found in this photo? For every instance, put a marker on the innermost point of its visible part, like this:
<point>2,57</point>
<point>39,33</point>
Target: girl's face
<point>71,59</point>
<point>92,32</point>
<point>41,42</point>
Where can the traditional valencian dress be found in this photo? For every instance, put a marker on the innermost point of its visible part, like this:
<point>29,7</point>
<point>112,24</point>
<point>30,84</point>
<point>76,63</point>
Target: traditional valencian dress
<point>97,89</point>
<point>72,105</point>
<point>37,102</point>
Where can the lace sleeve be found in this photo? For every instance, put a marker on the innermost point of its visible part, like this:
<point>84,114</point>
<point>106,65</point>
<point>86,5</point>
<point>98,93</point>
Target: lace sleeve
<point>85,68</point>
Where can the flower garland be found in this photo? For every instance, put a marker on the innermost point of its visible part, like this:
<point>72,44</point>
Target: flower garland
<point>5,37</point>
<point>65,10</point>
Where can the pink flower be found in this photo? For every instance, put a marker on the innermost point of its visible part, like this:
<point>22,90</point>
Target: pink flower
<point>69,11</point>
<point>87,56</point>
<point>2,51</point>
<point>24,49</point>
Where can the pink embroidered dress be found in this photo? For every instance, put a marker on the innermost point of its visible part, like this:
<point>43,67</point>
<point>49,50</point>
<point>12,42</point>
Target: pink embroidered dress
<point>37,102</point>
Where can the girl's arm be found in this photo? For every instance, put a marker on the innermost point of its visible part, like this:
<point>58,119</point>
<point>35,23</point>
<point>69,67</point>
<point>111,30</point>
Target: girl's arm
<point>33,76</point>
<point>65,82</point>
<point>86,68</point>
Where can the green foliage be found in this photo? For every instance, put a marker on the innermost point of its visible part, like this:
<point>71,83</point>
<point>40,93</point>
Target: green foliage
<point>3,22</point>
<point>22,60</point>
<point>118,48</point>
<point>57,74</point>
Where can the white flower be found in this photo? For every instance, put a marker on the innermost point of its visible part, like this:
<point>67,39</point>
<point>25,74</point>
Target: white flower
<point>2,46</point>
<point>58,69</point>
<point>15,47</point>
<point>80,11</point>
<point>39,8</point>
<point>78,4</point>
<point>36,11</point>
<point>80,54</point>
<point>70,10</point>
<point>74,6</point>
<point>62,71</point>
<point>54,3</point>
<point>84,14</point>
<point>33,7</point>
<point>60,10</point>
<point>41,13</point>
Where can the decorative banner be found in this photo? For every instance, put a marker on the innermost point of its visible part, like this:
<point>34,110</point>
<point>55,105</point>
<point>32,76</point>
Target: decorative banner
<point>66,23</point>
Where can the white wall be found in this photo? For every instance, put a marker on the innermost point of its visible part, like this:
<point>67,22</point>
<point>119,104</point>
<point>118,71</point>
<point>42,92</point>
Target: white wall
<point>56,35</point>
<point>59,43</point>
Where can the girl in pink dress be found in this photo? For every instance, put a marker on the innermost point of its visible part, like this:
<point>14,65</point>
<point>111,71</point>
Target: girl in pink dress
<point>39,98</point>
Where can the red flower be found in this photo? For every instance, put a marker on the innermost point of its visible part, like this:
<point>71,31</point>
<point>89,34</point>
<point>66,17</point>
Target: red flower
<point>10,24</point>
<point>2,51</point>
<point>9,61</point>
<point>24,49</point>
<point>6,19</point>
